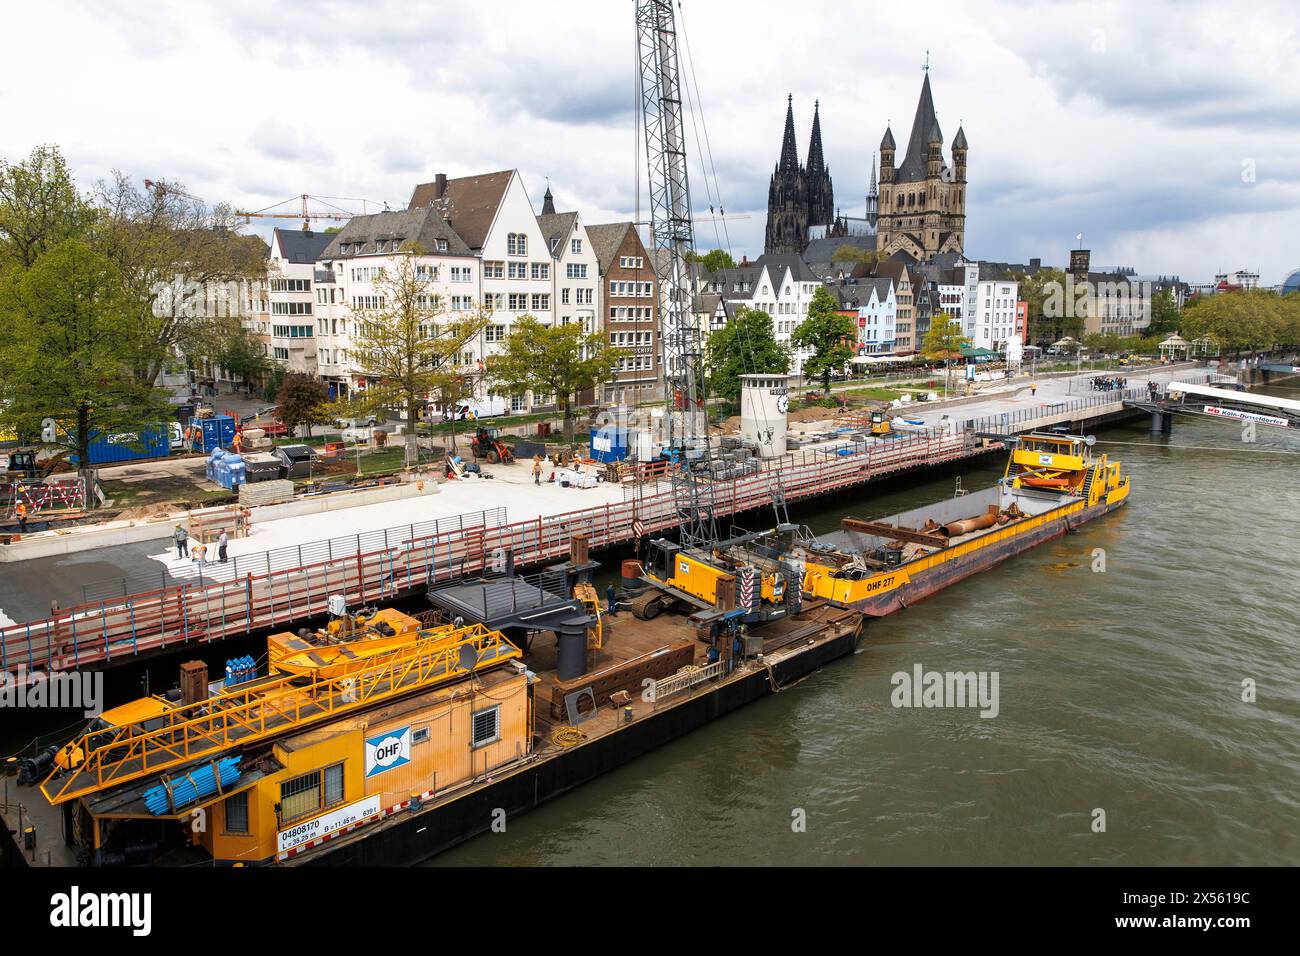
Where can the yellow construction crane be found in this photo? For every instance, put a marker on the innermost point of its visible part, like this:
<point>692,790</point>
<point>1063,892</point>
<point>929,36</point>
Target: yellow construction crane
<point>306,214</point>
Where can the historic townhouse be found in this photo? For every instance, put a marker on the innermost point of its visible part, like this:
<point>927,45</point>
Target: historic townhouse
<point>629,310</point>
<point>350,280</point>
<point>291,273</point>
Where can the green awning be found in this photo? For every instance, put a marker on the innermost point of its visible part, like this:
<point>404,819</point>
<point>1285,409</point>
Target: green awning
<point>970,351</point>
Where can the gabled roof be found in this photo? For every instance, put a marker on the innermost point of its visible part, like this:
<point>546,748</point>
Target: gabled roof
<point>606,239</point>
<point>556,227</point>
<point>301,247</point>
<point>799,270</point>
<point>425,226</point>
<point>470,203</point>
<point>925,130</point>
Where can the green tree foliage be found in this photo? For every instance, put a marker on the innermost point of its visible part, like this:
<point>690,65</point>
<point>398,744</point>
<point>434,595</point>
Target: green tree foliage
<point>241,353</point>
<point>1243,321</point>
<point>847,253</point>
<point>561,361</point>
<point>944,341</point>
<point>745,345</point>
<point>829,334</point>
<point>1052,315</point>
<point>408,348</point>
<point>66,332</point>
<point>1165,317</point>
<point>39,207</point>
<point>301,401</point>
<point>713,260</point>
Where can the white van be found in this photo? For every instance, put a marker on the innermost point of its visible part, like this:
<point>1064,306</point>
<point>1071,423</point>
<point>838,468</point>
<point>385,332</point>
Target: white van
<point>475,408</point>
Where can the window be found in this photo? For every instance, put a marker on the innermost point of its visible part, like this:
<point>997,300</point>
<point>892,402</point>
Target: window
<point>494,333</point>
<point>518,301</point>
<point>564,296</point>
<point>576,270</point>
<point>420,735</point>
<point>291,308</point>
<point>541,301</point>
<point>280,354</point>
<point>462,273</point>
<point>575,246</point>
<point>442,245</point>
<point>311,792</point>
<point>541,270</point>
<point>494,270</point>
<point>519,270</point>
<point>291,331</point>
<point>236,812</point>
<point>516,244</point>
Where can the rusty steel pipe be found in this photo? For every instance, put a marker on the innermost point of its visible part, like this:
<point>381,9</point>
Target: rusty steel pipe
<point>967,525</point>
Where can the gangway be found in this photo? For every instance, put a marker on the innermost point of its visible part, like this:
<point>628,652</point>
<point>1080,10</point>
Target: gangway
<point>1230,403</point>
<point>267,708</point>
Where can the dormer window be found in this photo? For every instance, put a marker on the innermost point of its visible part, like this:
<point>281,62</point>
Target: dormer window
<point>442,245</point>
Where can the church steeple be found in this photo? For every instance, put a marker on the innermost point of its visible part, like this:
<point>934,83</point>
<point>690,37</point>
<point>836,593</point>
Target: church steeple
<point>789,149</point>
<point>925,130</point>
<point>548,201</point>
<point>816,162</point>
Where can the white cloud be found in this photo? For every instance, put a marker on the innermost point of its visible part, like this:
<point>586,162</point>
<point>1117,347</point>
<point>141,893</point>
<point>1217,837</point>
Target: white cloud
<point>1126,121</point>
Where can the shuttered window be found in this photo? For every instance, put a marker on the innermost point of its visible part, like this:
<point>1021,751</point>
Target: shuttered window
<point>487,727</point>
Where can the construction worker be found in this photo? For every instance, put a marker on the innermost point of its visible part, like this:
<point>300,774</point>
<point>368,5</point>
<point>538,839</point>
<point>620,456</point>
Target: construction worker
<point>223,540</point>
<point>537,469</point>
<point>182,539</point>
<point>198,552</point>
<point>611,600</point>
<point>21,513</point>
<point>1033,389</point>
<point>238,443</point>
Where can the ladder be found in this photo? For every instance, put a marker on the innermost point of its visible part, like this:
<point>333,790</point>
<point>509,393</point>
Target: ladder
<point>272,707</point>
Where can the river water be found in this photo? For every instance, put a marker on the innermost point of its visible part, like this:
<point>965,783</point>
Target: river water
<point>1120,693</point>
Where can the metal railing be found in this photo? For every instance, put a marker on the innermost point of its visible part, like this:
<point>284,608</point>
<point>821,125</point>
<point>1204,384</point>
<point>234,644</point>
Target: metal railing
<point>180,614</point>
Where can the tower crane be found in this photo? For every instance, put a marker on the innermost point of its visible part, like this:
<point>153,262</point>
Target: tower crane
<point>306,214</point>
<point>672,238</point>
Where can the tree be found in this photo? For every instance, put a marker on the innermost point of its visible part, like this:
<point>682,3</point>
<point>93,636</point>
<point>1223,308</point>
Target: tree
<point>1237,321</point>
<point>828,333</point>
<point>65,352</point>
<point>182,264</point>
<point>944,341</point>
<point>713,260</point>
<point>241,353</point>
<point>407,347</point>
<point>1165,316</point>
<point>848,253</point>
<point>560,361</point>
<point>1052,315</point>
<point>745,345</point>
<point>301,401</point>
<point>39,207</point>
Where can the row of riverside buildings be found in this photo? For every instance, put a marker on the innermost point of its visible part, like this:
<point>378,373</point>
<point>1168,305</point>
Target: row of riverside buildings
<point>485,246</point>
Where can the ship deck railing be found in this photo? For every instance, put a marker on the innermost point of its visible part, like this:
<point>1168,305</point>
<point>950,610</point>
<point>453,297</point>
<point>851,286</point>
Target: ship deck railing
<point>271,707</point>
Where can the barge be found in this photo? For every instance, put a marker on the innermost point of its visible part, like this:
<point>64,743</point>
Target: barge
<point>384,739</point>
<point>1052,484</point>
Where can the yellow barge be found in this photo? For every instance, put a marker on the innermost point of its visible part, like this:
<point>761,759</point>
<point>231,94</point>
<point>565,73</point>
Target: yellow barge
<point>1052,485</point>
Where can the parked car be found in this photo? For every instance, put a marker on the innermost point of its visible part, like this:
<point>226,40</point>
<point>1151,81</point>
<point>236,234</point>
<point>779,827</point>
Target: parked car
<point>364,421</point>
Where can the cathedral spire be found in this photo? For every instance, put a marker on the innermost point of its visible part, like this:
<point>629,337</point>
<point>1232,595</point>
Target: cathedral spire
<point>925,130</point>
<point>789,149</point>
<point>816,162</point>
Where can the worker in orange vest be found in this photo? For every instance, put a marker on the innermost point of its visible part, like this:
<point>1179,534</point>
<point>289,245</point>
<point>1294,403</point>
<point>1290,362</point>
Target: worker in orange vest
<point>21,512</point>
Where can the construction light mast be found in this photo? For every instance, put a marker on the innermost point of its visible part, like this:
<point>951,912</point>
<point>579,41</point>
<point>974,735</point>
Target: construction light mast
<point>672,241</point>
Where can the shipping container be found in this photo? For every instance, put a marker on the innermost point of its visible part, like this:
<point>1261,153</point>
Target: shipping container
<point>609,444</point>
<point>128,446</point>
<point>218,431</point>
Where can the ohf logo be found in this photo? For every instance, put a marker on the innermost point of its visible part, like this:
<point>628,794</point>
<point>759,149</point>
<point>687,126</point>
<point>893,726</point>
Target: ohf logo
<point>388,750</point>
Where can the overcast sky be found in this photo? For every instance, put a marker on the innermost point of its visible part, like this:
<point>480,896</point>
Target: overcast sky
<point>1167,132</point>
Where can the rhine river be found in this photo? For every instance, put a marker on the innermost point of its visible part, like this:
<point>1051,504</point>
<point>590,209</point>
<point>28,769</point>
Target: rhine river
<point>1119,691</point>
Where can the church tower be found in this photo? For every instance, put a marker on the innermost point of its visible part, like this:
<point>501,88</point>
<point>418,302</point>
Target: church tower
<point>922,202</point>
<point>821,195</point>
<point>787,196</point>
<point>799,198</point>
